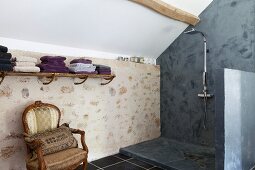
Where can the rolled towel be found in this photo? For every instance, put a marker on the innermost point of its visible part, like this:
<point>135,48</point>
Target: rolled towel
<point>53,58</point>
<point>3,49</point>
<point>5,61</point>
<point>7,56</point>
<point>26,69</point>
<point>25,59</point>
<point>81,60</point>
<point>25,64</point>
<point>6,67</point>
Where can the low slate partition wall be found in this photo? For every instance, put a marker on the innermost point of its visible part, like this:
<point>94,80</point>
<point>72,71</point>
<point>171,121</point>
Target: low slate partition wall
<point>235,120</point>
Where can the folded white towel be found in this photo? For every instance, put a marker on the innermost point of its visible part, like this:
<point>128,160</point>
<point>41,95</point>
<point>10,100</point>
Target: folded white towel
<point>24,64</point>
<point>81,65</point>
<point>26,69</point>
<point>24,58</point>
<point>79,69</point>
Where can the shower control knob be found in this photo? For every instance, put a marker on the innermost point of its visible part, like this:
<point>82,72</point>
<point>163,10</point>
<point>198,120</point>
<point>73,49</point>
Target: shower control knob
<point>207,95</point>
<point>207,50</point>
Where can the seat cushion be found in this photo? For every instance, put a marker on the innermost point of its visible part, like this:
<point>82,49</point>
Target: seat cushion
<point>54,141</point>
<point>61,160</point>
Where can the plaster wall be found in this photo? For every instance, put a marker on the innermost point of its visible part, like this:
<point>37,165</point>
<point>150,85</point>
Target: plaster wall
<point>113,26</point>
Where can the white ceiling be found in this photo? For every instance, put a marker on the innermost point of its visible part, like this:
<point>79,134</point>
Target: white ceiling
<point>114,26</point>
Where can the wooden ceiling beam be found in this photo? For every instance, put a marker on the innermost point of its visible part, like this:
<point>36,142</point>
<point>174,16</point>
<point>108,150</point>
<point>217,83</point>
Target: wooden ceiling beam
<point>169,11</point>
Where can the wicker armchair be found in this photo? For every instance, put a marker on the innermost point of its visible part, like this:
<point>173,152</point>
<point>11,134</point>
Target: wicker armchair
<point>40,118</point>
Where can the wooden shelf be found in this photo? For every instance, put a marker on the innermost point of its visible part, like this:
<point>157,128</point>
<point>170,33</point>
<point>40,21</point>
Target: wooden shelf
<point>51,76</point>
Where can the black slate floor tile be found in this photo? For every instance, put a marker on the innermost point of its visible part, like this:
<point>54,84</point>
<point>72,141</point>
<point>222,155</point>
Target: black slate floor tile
<point>106,161</point>
<point>140,163</point>
<point>121,156</point>
<point>89,167</point>
<point>123,166</point>
<point>156,168</point>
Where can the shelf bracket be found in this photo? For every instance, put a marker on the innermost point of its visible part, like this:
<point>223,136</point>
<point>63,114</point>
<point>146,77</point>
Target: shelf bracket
<point>2,76</point>
<point>52,77</point>
<point>83,80</point>
<point>108,78</point>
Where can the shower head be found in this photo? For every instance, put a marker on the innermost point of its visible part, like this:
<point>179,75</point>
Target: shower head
<point>193,31</point>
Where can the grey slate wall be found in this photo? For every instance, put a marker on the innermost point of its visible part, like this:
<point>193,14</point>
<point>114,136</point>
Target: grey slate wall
<point>230,29</point>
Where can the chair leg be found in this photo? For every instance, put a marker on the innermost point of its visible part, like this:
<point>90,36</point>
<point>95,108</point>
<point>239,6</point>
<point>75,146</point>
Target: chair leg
<point>84,165</point>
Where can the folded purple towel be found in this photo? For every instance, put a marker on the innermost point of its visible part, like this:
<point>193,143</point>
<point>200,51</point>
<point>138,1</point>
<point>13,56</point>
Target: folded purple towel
<point>104,72</point>
<point>53,58</point>
<point>53,63</point>
<point>104,69</point>
<point>55,70</point>
<point>81,60</point>
<point>6,67</point>
<point>84,72</point>
<point>7,56</point>
<point>3,49</point>
<point>49,66</point>
<point>5,61</point>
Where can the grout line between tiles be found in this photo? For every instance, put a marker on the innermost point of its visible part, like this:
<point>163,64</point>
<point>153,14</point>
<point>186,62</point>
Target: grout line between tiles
<point>113,164</point>
<point>135,164</point>
<point>151,167</point>
<point>122,158</point>
<point>127,160</point>
<point>95,165</point>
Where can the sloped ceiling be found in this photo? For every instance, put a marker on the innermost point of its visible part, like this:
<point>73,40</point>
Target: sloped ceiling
<point>115,26</point>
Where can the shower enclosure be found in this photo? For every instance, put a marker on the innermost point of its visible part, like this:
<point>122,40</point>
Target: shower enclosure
<point>230,31</point>
<point>173,154</point>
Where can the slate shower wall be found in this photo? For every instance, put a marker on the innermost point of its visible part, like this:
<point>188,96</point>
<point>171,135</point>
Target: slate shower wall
<point>230,29</point>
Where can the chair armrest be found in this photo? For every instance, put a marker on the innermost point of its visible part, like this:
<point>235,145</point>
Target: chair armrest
<point>37,145</point>
<point>82,133</point>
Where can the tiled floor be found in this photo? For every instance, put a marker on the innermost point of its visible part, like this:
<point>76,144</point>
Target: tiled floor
<point>120,162</point>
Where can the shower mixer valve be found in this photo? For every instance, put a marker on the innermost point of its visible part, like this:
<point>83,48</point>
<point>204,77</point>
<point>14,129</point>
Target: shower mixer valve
<point>207,95</point>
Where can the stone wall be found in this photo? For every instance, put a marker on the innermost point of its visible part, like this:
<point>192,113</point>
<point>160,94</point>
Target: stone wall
<point>122,113</point>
